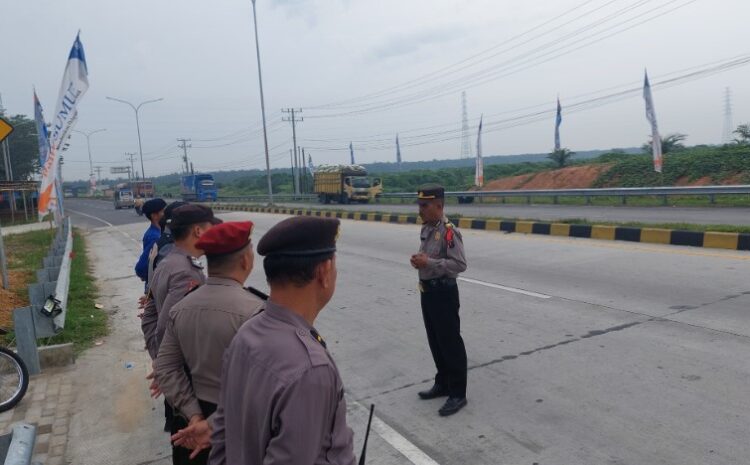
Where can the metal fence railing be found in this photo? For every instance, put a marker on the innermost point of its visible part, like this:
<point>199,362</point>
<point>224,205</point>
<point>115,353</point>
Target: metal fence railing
<point>45,316</point>
<point>500,195</point>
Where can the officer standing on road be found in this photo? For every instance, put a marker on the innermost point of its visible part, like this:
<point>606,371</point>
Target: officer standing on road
<point>177,274</point>
<point>439,261</point>
<point>282,399</point>
<point>154,211</point>
<point>200,328</point>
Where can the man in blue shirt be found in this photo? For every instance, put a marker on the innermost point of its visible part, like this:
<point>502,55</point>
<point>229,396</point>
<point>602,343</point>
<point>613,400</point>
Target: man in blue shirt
<point>153,210</point>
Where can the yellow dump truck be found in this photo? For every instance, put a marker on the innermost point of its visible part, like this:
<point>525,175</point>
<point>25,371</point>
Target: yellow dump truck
<point>345,184</point>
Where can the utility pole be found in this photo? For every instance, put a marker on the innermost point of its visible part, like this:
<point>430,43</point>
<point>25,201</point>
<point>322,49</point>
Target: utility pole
<point>130,156</point>
<point>98,170</point>
<point>184,148</point>
<point>294,120</point>
<point>291,162</point>
<point>263,107</point>
<point>304,172</point>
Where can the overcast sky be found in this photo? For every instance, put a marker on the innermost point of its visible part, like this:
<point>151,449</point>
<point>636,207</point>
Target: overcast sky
<point>511,57</point>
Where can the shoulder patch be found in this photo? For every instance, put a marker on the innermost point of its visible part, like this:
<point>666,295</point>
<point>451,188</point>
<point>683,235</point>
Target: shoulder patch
<point>193,286</point>
<point>195,263</point>
<point>257,293</point>
<point>316,351</point>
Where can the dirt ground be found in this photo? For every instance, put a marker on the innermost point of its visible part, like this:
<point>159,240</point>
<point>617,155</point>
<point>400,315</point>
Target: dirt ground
<point>9,299</point>
<point>565,178</point>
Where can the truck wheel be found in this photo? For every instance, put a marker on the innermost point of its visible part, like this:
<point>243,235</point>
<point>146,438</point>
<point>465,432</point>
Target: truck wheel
<point>322,198</point>
<point>344,199</point>
<point>327,199</point>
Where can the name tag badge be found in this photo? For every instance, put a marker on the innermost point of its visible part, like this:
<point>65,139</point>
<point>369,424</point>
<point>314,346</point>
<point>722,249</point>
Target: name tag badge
<point>437,236</point>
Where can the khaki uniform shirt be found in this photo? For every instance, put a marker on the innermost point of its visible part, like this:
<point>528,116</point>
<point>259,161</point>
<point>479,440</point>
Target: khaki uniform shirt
<point>282,399</point>
<point>199,329</point>
<point>175,276</point>
<point>444,260</point>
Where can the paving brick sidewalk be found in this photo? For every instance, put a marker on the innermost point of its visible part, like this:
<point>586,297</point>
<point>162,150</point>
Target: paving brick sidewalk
<point>47,405</point>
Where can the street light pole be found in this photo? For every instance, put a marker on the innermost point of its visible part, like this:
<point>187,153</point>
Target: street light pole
<point>137,124</point>
<point>88,143</point>
<point>262,107</point>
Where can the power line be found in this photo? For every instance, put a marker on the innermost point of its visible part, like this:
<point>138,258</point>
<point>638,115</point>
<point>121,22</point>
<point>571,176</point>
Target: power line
<point>525,61</point>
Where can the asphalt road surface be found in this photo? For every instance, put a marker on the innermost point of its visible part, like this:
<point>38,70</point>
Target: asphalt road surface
<point>580,351</point>
<point>718,215</point>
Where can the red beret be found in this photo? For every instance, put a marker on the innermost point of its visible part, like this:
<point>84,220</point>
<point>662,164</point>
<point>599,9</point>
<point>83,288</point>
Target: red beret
<point>225,238</point>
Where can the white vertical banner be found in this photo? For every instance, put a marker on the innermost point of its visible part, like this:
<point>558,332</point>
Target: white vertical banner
<point>479,171</point>
<point>651,116</point>
<point>74,84</point>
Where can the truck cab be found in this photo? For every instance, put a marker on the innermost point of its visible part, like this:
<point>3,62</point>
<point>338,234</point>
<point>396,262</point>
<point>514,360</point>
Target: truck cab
<point>199,187</point>
<point>362,188</point>
<point>124,199</point>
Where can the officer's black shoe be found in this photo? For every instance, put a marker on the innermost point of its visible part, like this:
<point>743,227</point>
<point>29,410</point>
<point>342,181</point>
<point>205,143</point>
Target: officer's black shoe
<point>452,405</point>
<point>433,393</point>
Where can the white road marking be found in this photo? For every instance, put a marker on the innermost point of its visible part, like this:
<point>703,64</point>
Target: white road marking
<point>405,447</point>
<point>92,217</point>
<point>105,222</point>
<point>505,288</point>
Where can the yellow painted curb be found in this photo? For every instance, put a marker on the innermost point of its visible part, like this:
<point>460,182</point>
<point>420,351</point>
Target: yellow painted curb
<point>656,236</point>
<point>492,225</point>
<point>524,226</point>
<point>559,229</point>
<point>465,223</point>
<point>718,240</point>
<point>603,232</point>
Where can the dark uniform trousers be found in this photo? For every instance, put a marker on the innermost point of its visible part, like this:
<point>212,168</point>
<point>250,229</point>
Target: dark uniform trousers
<point>181,455</point>
<point>440,304</point>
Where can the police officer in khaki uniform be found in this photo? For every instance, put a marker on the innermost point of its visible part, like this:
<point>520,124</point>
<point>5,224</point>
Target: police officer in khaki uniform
<point>282,399</point>
<point>439,261</point>
<point>200,328</point>
<point>176,275</point>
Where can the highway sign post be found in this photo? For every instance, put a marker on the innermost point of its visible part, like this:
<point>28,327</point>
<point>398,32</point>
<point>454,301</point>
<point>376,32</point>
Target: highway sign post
<point>5,130</point>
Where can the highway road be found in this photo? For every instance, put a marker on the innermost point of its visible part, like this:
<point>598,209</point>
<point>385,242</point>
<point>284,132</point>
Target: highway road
<point>698,215</point>
<point>580,351</point>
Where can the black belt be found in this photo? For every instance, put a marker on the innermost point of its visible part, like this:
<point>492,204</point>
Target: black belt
<point>436,283</point>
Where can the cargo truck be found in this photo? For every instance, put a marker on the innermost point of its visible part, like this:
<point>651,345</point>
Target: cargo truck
<point>199,187</point>
<point>123,196</point>
<point>345,184</point>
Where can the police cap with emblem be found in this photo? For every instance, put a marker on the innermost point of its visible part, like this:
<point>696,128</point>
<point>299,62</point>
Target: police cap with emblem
<point>431,192</point>
<point>189,214</point>
<point>225,238</point>
<point>153,206</point>
<point>300,236</point>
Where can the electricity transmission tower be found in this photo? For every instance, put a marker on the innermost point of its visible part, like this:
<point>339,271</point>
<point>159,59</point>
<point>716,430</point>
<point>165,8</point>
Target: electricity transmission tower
<point>726,136</point>
<point>465,136</point>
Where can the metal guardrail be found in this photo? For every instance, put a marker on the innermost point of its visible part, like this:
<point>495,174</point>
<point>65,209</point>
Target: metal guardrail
<point>468,196</point>
<point>45,317</point>
<point>18,446</point>
<point>264,198</point>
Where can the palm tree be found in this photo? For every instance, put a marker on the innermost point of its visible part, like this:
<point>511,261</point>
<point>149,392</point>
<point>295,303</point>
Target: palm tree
<point>561,157</point>
<point>743,134</point>
<point>670,143</point>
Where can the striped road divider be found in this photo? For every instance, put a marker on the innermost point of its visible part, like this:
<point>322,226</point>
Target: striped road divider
<point>717,240</point>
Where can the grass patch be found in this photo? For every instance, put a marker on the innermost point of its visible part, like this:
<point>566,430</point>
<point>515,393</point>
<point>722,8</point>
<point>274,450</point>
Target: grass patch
<point>84,323</point>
